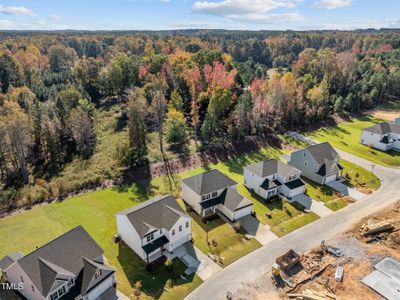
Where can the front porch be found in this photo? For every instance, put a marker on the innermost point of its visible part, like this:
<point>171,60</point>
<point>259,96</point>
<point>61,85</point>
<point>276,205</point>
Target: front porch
<point>155,249</point>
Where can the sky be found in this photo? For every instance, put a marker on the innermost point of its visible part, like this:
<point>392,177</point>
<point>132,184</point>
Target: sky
<point>206,14</point>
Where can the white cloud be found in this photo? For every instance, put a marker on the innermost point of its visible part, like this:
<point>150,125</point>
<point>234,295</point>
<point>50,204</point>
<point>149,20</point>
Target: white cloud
<point>6,24</point>
<point>55,17</point>
<point>332,4</point>
<point>40,23</point>
<point>268,18</point>
<point>257,11</point>
<point>16,10</point>
<point>230,7</point>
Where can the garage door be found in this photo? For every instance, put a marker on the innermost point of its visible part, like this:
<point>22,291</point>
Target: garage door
<point>330,178</point>
<point>245,211</point>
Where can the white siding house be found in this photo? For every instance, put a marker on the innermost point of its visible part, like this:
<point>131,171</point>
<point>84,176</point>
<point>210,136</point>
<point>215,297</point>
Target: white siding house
<point>155,226</point>
<point>212,192</point>
<point>383,136</point>
<point>272,177</point>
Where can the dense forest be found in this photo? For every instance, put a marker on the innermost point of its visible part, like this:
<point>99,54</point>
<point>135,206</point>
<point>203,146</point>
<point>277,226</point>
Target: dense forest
<point>78,108</point>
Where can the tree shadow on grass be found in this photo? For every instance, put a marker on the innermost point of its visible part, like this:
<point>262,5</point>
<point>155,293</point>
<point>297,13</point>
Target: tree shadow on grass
<point>154,276</point>
<point>136,189</point>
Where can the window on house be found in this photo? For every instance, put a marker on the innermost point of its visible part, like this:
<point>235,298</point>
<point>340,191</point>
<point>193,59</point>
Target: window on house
<point>173,231</point>
<point>305,163</point>
<point>70,283</point>
<point>180,228</point>
<point>33,288</point>
<point>214,194</point>
<point>22,279</point>
<point>97,274</point>
<point>292,177</point>
<point>273,177</point>
<point>150,237</point>
<point>187,224</point>
<point>205,197</point>
<point>54,296</point>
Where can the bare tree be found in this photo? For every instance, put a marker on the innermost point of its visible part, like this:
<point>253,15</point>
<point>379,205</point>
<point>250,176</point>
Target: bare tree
<point>83,132</point>
<point>15,128</point>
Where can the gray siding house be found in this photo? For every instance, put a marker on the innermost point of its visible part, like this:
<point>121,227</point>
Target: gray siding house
<point>320,163</point>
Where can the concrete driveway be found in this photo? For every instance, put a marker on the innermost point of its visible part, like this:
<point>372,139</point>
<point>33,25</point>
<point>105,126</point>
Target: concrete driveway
<point>317,207</point>
<point>346,190</point>
<point>196,261</point>
<point>260,261</point>
<point>262,233</point>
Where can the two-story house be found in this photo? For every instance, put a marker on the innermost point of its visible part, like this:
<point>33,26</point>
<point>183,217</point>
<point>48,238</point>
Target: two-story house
<point>211,192</point>
<point>384,136</point>
<point>272,177</point>
<point>155,226</point>
<point>69,267</point>
<point>319,162</point>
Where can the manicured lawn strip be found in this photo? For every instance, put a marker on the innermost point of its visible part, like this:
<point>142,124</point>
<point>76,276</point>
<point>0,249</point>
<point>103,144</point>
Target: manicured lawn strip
<point>95,212</point>
<point>276,209</point>
<point>219,238</point>
<point>359,177</point>
<point>319,192</point>
<point>329,196</point>
<point>337,204</point>
<point>346,136</point>
<point>294,223</point>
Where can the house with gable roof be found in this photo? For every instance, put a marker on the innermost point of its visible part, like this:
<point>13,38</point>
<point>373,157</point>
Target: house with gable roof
<point>272,177</point>
<point>68,267</point>
<point>319,162</point>
<point>154,226</point>
<point>384,136</point>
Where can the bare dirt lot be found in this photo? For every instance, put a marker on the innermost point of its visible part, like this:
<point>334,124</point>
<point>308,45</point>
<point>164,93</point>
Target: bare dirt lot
<point>364,245</point>
<point>388,114</point>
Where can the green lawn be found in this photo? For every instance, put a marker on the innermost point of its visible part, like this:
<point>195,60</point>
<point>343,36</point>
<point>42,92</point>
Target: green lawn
<point>359,177</point>
<point>337,204</point>
<point>279,213</point>
<point>346,136</point>
<point>294,223</point>
<point>220,239</point>
<point>329,196</point>
<point>95,212</point>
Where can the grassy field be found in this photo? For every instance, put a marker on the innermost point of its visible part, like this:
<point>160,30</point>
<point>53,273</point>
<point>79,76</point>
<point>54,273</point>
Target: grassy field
<point>346,136</point>
<point>95,212</point>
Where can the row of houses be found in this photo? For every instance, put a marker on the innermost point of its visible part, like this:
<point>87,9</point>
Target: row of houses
<point>161,225</point>
<point>72,266</point>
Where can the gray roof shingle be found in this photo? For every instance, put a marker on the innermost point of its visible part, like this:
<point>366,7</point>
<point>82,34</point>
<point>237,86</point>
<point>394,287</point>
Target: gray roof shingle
<point>7,260</point>
<point>208,182</point>
<point>234,201</point>
<point>383,128</point>
<point>61,255</point>
<point>154,214</point>
<point>323,153</point>
<point>89,278</point>
<point>270,167</point>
